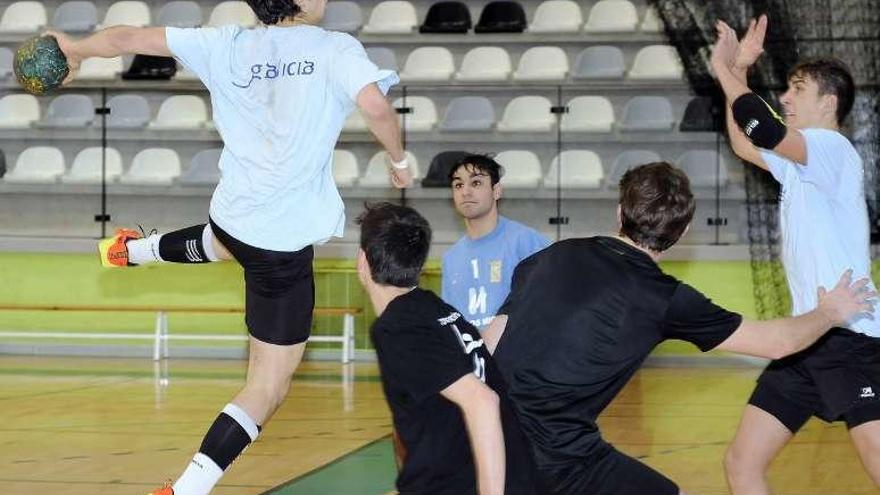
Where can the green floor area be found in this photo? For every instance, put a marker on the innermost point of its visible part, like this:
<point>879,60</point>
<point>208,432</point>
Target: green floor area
<point>77,279</point>
<point>366,471</point>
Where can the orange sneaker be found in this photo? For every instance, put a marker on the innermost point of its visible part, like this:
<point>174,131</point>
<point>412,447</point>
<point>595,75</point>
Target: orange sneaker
<point>114,253</point>
<point>165,490</point>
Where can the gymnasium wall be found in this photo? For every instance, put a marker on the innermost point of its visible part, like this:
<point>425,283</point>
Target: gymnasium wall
<point>77,279</point>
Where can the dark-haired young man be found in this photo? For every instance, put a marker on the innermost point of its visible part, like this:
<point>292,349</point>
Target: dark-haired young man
<point>477,269</point>
<point>448,401</point>
<point>824,223</point>
<point>280,94</point>
<point>583,314</point>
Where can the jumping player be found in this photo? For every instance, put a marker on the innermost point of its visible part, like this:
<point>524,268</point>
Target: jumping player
<point>280,93</point>
<point>824,223</point>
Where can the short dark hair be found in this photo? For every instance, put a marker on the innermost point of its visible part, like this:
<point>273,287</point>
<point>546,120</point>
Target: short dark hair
<point>274,11</point>
<point>395,240</point>
<point>656,205</point>
<point>833,78</point>
<point>479,163</point>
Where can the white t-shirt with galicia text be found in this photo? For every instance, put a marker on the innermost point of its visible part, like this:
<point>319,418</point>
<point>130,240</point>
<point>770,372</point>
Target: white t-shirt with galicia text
<point>280,97</point>
<point>824,220</point>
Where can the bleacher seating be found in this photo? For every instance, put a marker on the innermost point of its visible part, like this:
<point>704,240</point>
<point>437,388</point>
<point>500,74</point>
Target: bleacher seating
<point>180,13</point>
<point>575,169</point>
<point>127,13</point>
<point>345,168</point>
<point>88,166</point>
<point>76,16</point>
<point>100,69</point>
<point>5,63</point>
<point>588,114</point>
<point>232,12</point>
<point>128,111</point>
<point>599,62</point>
<point>153,167</point>
<point>19,111</point>
<point>527,114</point>
<point>203,169</point>
<point>522,169</point>
<point>23,17</point>
<point>627,160</point>
<point>441,165</point>
<point>376,175</point>
<point>468,113</point>
<point>343,16</point>
<point>37,165</point>
<point>392,17</point>
<point>69,110</point>
<point>485,63</point>
<point>181,112</point>
<point>705,168</point>
<point>612,16</point>
<point>428,63</point>
<point>542,63</point>
<point>657,62</point>
<point>647,113</point>
<point>423,113</point>
<point>502,16</point>
<point>447,17</point>
<point>557,16</point>
<point>383,57</point>
<point>486,92</point>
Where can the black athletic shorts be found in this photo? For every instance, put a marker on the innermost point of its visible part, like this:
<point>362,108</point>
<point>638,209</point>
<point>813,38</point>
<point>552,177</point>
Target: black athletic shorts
<point>279,290</point>
<point>609,472</point>
<point>837,378</point>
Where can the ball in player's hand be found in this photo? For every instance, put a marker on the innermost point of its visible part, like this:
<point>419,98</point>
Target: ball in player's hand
<point>40,66</point>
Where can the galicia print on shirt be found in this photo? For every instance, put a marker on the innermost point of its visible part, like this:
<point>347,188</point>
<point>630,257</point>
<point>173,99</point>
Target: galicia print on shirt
<point>271,71</point>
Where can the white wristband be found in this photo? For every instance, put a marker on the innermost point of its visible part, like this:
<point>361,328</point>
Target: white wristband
<point>402,164</point>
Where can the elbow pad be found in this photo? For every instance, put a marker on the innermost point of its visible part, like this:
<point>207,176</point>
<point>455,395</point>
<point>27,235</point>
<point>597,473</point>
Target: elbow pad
<point>763,126</point>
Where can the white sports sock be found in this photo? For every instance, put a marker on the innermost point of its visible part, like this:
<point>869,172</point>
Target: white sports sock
<point>144,250</point>
<point>208,243</point>
<point>199,477</point>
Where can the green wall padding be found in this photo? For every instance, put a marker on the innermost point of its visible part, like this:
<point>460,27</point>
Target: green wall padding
<point>77,279</point>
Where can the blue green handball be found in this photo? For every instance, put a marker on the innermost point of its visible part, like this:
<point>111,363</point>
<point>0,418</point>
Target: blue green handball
<point>40,66</point>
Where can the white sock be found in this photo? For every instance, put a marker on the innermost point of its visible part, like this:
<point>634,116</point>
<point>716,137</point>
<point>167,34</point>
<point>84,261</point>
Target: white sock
<point>208,243</point>
<point>144,250</point>
<point>199,477</point>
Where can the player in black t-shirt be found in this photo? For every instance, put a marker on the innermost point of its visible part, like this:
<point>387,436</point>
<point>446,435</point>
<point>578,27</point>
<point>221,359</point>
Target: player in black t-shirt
<point>447,399</point>
<point>583,315</point>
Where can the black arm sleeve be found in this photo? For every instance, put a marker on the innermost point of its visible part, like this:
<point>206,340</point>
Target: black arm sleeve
<point>758,121</point>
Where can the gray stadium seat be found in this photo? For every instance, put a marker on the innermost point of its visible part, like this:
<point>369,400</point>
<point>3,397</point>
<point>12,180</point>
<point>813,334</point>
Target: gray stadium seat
<point>627,160</point>
<point>77,16</point>
<point>70,110</point>
<point>128,111</point>
<point>383,57</point>
<point>203,169</point>
<point>343,16</point>
<point>469,113</point>
<point>647,113</point>
<point>599,62</point>
<point>5,62</point>
<point>180,13</point>
<point>701,166</point>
